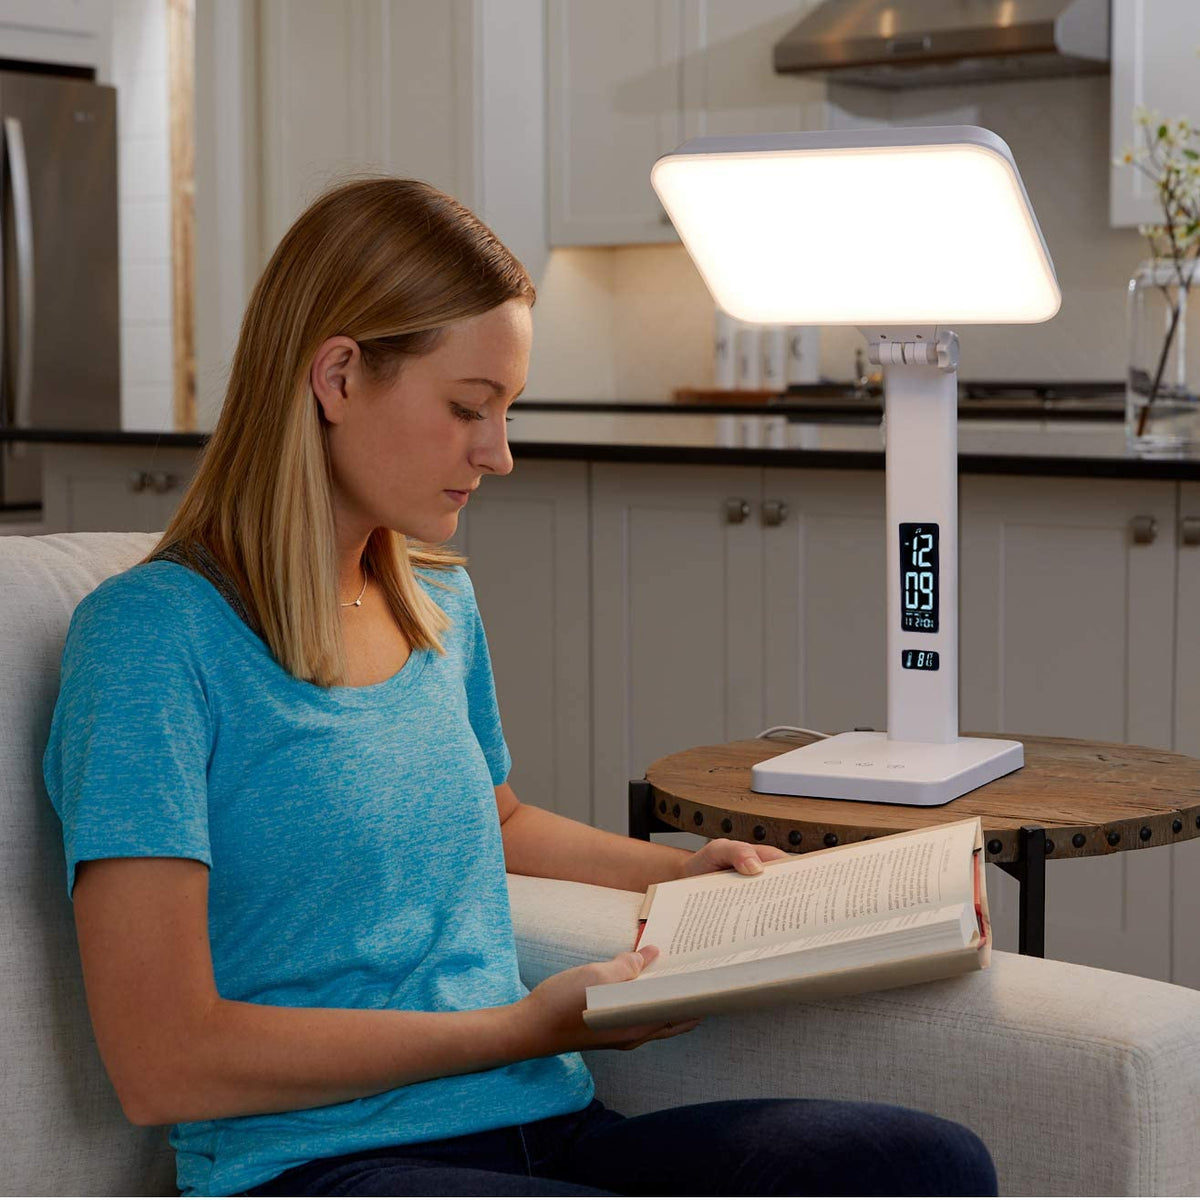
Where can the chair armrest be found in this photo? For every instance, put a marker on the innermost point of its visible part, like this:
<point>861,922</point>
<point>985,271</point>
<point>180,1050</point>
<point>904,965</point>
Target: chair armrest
<point>1080,1081</point>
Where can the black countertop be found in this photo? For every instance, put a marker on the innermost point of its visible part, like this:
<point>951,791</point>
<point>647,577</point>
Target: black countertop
<point>1047,439</point>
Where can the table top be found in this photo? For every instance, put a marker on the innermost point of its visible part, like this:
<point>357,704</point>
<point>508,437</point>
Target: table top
<point>1089,797</point>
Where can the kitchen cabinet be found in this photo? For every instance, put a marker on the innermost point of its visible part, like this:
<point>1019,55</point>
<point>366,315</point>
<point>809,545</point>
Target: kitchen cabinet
<point>727,599</point>
<point>70,32</point>
<point>354,85</point>
<point>86,488</point>
<point>1154,65</point>
<point>628,80</point>
<point>1067,630</point>
<point>526,537</point>
<point>677,617</point>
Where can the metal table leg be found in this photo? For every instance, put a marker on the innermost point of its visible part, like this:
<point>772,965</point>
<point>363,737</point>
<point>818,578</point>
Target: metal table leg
<point>1030,872</point>
<point>642,821</point>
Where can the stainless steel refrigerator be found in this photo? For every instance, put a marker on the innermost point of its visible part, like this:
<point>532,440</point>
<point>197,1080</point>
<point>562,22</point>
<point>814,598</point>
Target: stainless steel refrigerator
<point>60,355</point>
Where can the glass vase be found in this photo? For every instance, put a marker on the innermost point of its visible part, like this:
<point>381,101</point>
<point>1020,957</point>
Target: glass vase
<point>1162,384</point>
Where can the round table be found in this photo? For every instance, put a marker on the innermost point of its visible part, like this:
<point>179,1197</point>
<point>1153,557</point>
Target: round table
<point>1072,799</point>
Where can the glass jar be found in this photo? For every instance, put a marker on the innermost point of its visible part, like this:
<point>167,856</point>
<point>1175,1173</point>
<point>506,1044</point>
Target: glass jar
<point>1162,384</point>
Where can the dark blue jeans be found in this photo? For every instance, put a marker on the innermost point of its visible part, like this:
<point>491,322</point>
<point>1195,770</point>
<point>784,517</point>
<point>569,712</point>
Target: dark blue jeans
<point>723,1148</point>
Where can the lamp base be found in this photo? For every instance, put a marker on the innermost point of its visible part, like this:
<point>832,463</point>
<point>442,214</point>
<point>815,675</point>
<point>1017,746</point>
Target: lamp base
<point>869,766</point>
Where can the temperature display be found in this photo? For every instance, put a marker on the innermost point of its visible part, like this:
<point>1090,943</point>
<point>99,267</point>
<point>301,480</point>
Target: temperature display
<point>919,660</point>
<point>918,578</point>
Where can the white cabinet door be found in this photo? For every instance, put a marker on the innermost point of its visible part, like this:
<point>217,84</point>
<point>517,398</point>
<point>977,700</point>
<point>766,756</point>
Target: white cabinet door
<point>1066,630</point>
<point>527,540</point>
<point>1154,65</point>
<point>1185,864</point>
<point>824,589</point>
<point>677,618</point>
<point>113,489</point>
<point>359,85</point>
<point>729,80</point>
<point>613,81</point>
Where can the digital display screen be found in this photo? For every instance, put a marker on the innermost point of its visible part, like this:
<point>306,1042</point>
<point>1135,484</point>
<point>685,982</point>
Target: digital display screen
<point>919,660</point>
<point>918,577</point>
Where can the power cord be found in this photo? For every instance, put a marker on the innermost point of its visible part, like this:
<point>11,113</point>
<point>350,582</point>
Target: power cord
<point>766,733</point>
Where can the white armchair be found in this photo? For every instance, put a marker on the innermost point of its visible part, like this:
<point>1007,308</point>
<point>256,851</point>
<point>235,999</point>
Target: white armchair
<point>1079,1081</point>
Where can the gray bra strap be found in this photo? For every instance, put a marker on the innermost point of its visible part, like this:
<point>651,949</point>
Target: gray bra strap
<point>203,562</point>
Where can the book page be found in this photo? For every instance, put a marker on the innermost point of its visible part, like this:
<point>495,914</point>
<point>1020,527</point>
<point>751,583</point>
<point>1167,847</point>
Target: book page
<point>881,880</point>
<point>851,937</point>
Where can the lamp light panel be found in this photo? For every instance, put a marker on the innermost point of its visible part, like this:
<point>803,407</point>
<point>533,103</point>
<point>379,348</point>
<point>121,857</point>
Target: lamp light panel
<point>861,227</point>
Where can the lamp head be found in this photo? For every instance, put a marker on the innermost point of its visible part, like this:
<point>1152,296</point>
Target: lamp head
<point>925,226</point>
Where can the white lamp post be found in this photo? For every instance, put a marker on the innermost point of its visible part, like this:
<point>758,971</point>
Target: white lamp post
<point>900,232</point>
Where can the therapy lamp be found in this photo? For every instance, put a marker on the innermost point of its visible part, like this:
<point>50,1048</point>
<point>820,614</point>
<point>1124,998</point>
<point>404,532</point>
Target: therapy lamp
<point>900,232</point>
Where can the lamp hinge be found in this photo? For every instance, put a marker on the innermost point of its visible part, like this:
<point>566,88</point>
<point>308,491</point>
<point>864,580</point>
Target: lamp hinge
<point>932,348</point>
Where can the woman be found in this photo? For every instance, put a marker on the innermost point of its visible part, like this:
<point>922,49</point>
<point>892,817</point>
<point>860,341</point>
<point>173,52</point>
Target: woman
<point>281,773</point>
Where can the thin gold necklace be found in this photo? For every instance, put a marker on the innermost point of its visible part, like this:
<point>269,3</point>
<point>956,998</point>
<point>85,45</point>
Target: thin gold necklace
<point>356,603</point>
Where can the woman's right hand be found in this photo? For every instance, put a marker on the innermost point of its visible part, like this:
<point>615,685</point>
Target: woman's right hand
<point>552,1014</point>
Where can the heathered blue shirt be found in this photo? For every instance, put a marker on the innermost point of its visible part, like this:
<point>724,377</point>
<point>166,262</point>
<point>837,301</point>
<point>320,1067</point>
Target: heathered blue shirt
<point>351,834</point>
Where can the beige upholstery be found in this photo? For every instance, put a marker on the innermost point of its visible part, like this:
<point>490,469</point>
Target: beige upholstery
<point>1080,1081</point>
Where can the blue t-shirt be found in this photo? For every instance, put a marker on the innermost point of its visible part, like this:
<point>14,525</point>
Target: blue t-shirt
<point>342,827</point>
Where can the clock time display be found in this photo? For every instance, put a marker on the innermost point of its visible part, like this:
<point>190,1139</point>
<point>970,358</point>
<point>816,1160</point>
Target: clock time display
<point>918,577</point>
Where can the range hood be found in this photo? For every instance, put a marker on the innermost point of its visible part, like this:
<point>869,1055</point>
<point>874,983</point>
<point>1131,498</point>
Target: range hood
<point>918,43</point>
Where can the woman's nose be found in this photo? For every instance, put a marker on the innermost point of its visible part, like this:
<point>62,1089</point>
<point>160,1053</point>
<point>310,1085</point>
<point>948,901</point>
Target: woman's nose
<point>493,455</point>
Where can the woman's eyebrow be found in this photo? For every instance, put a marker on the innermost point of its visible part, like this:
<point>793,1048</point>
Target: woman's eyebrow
<point>498,388</point>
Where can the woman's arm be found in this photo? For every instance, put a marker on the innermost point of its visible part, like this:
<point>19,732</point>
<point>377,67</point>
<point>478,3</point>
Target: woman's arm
<point>176,1051</point>
<point>545,844</point>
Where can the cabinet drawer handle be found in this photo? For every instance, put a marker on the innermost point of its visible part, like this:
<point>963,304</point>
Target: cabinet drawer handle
<point>736,511</point>
<point>774,512</point>
<point>1189,531</point>
<point>139,481</point>
<point>162,481</point>
<point>1144,530</point>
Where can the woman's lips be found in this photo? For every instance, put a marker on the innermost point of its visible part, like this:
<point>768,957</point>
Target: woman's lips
<point>458,497</point>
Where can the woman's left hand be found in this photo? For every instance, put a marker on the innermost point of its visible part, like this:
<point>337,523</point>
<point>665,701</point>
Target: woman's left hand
<point>722,853</point>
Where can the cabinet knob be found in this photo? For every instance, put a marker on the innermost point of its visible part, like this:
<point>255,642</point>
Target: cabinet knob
<point>1189,531</point>
<point>736,511</point>
<point>139,481</point>
<point>1144,530</point>
<point>162,481</point>
<point>774,512</point>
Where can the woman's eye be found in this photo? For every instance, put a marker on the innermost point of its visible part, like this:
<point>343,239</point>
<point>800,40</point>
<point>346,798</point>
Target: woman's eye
<point>469,414</point>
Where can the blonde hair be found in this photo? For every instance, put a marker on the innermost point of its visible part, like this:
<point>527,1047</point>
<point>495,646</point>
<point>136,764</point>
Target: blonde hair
<point>389,263</point>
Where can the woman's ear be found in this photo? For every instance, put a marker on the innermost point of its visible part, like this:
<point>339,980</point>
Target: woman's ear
<point>336,366</point>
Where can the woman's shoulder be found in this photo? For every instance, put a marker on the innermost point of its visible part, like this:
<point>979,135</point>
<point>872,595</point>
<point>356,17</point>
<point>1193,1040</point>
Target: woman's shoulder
<point>156,597</point>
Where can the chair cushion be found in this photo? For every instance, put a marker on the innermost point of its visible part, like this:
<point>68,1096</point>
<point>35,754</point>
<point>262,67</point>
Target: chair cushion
<point>61,1126</point>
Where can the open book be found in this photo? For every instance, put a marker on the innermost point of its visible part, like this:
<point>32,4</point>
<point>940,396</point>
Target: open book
<point>894,910</point>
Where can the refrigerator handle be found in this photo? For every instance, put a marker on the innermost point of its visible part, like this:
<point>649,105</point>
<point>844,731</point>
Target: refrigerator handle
<point>23,222</point>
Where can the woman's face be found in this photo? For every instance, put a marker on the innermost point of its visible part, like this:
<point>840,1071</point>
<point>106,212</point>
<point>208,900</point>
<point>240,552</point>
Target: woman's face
<point>398,450</point>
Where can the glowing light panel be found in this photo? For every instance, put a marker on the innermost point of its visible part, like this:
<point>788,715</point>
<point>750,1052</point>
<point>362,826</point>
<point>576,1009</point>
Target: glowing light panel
<point>861,227</point>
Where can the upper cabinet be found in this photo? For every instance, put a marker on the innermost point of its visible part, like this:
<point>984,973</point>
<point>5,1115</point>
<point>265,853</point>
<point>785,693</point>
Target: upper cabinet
<point>1154,64</point>
<point>360,85</point>
<point>628,80</point>
<point>74,33</point>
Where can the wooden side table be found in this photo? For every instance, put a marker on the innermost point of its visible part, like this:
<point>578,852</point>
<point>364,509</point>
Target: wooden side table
<point>1072,799</point>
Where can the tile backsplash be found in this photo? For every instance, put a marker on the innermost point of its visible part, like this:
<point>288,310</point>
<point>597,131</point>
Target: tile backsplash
<point>138,70</point>
<point>650,306</point>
